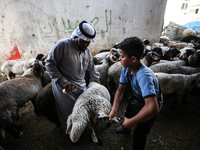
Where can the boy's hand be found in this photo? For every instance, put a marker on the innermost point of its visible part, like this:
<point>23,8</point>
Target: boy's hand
<point>111,115</point>
<point>128,124</point>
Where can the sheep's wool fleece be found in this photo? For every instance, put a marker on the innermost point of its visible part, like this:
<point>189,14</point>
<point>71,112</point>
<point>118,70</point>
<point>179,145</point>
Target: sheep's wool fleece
<point>95,100</point>
<point>96,89</point>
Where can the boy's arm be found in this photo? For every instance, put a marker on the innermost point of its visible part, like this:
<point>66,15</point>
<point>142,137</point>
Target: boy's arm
<point>149,110</point>
<point>117,99</point>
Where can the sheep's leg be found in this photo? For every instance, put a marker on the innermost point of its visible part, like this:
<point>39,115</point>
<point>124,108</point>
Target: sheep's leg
<point>93,137</point>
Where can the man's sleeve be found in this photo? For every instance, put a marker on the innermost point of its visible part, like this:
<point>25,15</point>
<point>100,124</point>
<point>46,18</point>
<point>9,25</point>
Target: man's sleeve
<point>94,74</point>
<point>52,62</point>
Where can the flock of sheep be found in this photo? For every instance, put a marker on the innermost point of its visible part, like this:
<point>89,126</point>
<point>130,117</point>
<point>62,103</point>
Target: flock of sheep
<point>175,64</point>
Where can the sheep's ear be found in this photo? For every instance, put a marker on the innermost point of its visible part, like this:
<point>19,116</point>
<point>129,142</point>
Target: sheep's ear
<point>155,56</point>
<point>69,125</point>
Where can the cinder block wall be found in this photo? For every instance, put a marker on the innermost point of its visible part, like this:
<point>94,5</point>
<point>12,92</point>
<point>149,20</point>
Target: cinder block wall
<point>35,25</point>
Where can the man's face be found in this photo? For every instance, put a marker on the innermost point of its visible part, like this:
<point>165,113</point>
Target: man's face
<point>82,44</point>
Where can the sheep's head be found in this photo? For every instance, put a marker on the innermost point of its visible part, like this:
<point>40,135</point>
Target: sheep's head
<point>196,59</point>
<point>157,50</point>
<point>152,57</point>
<point>74,129</point>
<point>171,53</point>
<point>114,55</point>
<point>185,53</point>
<point>96,60</point>
<point>38,69</point>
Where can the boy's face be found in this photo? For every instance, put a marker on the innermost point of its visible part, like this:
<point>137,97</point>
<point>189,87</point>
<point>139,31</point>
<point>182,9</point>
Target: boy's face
<point>124,59</point>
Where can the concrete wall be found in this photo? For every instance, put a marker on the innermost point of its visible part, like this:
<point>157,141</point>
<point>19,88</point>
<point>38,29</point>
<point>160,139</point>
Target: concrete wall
<point>35,25</point>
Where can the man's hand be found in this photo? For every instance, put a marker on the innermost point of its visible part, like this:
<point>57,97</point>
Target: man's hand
<point>69,87</point>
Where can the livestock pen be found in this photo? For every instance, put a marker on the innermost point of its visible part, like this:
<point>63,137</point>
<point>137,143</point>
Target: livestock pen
<point>176,129</point>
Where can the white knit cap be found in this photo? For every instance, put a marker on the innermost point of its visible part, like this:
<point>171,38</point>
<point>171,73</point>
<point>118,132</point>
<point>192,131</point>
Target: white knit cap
<point>85,31</point>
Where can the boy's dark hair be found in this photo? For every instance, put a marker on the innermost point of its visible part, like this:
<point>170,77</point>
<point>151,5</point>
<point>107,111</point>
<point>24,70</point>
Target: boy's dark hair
<point>132,46</point>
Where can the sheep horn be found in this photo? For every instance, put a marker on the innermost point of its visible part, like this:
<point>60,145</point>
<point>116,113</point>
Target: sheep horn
<point>113,50</point>
<point>113,58</point>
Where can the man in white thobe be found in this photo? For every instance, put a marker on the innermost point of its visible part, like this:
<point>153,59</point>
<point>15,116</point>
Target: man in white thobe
<point>66,64</point>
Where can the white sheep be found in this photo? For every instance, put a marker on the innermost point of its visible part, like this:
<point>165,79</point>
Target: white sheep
<point>188,32</point>
<point>178,84</point>
<point>154,45</point>
<point>164,39</point>
<point>107,62</point>
<point>13,67</point>
<point>103,71</point>
<point>92,102</point>
<point>114,73</point>
<point>165,66</point>
<point>173,69</point>
<point>14,94</point>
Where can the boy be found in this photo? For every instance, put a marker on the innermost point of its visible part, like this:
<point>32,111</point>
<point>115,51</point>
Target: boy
<point>145,99</point>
